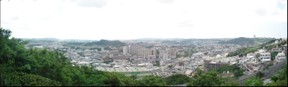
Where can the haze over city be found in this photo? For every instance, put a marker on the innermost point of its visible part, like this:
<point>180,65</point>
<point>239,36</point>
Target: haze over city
<point>132,19</point>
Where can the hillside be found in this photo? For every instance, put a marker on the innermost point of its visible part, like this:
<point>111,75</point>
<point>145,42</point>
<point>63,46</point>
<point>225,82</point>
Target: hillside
<point>246,41</point>
<point>268,45</point>
<point>115,43</point>
<point>36,67</point>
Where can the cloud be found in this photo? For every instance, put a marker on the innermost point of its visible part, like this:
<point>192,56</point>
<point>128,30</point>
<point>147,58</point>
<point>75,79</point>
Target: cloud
<point>261,12</point>
<point>186,24</point>
<point>166,1</point>
<point>130,19</point>
<point>90,3</point>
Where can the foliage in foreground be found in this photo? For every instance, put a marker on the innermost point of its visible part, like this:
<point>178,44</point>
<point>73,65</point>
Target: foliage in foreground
<point>40,67</point>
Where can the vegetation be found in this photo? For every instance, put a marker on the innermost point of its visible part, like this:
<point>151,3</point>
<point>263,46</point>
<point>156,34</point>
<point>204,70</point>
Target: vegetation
<point>230,81</point>
<point>177,79</point>
<point>279,79</point>
<point>210,78</point>
<point>259,74</point>
<point>235,69</point>
<point>151,81</point>
<point>191,52</point>
<point>35,67</point>
<point>253,81</point>
<point>47,40</point>
<point>115,43</point>
<point>239,41</point>
<point>273,55</point>
<point>268,45</point>
<point>243,51</point>
<point>73,44</point>
<point>246,41</point>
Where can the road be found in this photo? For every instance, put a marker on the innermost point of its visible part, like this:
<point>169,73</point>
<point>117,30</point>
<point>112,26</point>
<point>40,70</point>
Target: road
<point>274,69</point>
<point>267,73</point>
<point>244,77</point>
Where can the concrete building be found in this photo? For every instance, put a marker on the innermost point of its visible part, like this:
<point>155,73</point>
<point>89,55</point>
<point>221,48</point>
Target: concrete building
<point>125,50</point>
<point>210,65</point>
<point>140,51</point>
<point>265,57</point>
<point>280,56</point>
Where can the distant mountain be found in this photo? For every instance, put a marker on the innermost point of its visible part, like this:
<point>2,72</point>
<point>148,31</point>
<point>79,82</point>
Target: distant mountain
<point>115,43</point>
<point>246,41</point>
<point>40,39</point>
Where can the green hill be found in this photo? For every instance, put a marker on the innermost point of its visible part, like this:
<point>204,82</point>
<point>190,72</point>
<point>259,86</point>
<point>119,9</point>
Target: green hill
<point>268,45</point>
<point>246,41</point>
<point>115,43</point>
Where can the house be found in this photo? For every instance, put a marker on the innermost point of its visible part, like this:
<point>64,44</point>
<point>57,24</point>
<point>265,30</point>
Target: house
<point>265,57</point>
<point>276,49</point>
<point>189,72</point>
<point>210,65</point>
<point>227,74</point>
<point>280,56</point>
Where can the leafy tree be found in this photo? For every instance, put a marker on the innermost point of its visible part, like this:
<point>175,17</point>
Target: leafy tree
<point>177,79</point>
<point>273,55</point>
<point>151,81</point>
<point>230,81</point>
<point>117,79</point>
<point>253,81</point>
<point>259,74</point>
<point>22,79</point>
<point>170,66</point>
<point>280,79</point>
<point>210,78</point>
<point>235,69</point>
<point>35,67</point>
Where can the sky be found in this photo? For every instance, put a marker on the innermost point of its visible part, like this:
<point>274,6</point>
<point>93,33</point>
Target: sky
<point>133,19</point>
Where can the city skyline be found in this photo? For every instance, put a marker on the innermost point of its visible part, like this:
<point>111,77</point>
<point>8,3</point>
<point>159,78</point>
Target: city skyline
<point>134,19</point>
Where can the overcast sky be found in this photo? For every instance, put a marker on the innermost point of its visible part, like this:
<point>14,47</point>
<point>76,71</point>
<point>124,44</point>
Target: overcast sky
<point>132,19</point>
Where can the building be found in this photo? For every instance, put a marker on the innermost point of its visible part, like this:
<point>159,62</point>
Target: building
<point>227,74</point>
<point>276,49</point>
<point>285,49</point>
<point>125,50</point>
<point>280,56</point>
<point>140,51</point>
<point>210,65</point>
<point>265,57</point>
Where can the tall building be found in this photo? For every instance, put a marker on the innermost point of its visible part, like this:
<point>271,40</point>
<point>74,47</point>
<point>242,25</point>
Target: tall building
<point>125,50</point>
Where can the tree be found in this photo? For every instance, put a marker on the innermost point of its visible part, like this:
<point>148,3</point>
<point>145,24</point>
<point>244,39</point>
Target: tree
<point>259,74</point>
<point>36,67</point>
<point>177,79</point>
<point>207,79</point>
<point>170,66</point>
<point>117,79</point>
<point>273,55</point>
<point>235,69</point>
<point>151,81</point>
<point>253,81</point>
<point>280,78</point>
<point>23,79</point>
<point>230,81</point>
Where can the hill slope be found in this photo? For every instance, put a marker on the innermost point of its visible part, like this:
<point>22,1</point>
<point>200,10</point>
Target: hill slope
<point>246,41</point>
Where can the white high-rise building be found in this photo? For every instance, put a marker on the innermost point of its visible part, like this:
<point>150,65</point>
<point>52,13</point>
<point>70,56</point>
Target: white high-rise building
<point>125,50</point>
